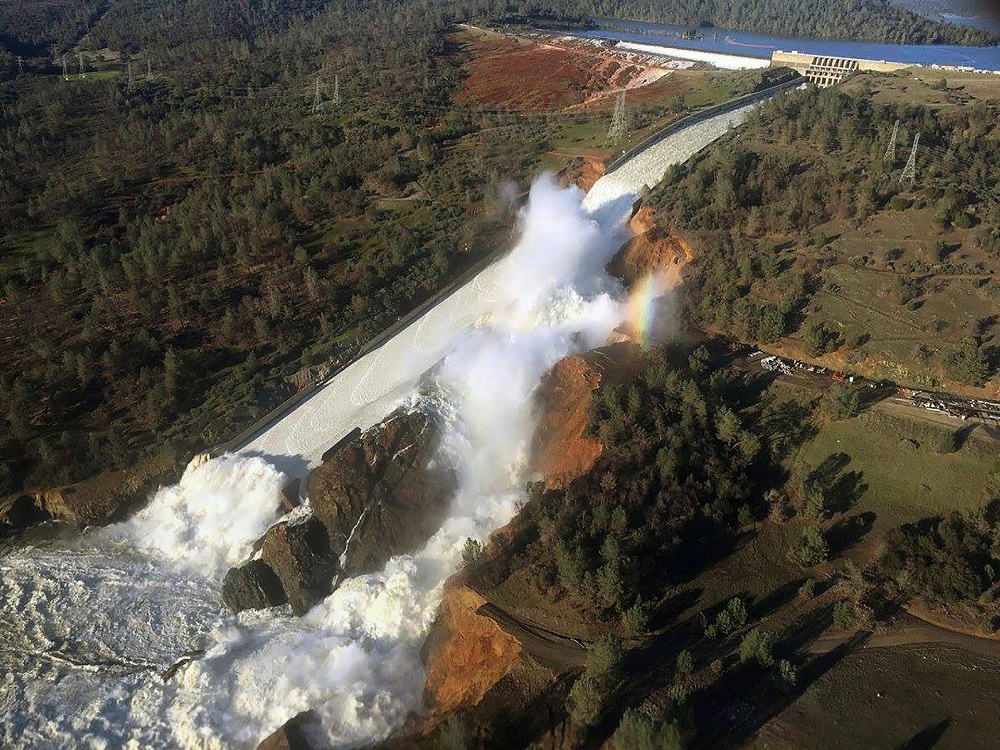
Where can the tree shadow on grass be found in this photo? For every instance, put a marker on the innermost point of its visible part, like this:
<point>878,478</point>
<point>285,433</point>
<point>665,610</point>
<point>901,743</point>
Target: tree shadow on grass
<point>927,737</point>
<point>731,711</point>
<point>776,599</point>
<point>847,532</point>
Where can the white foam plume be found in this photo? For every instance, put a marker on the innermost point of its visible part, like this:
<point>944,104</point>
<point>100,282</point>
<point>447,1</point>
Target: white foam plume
<point>355,658</point>
<point>210,519</point>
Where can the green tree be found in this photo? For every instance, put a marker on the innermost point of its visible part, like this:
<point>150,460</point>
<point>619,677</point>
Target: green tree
<point>757,646</point>
<point>637,731</point>
<point>812,548</point>
<point>839,402</point>
<point>472,553</point>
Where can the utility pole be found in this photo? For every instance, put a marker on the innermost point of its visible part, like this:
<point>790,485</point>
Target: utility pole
<point>317,104</point>
<point>890,151</point>
<point>65,69</point>
<point>910,170</point>
<point>83,72</point>
<point>336,90</point>
<point>619,121</point>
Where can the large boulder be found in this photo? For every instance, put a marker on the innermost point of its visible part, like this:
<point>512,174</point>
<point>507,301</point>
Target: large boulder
<point>383,494</point>
<point>292,735</point>
<point>377,494</point>
<point>252,585</point>
<point>299,553</point>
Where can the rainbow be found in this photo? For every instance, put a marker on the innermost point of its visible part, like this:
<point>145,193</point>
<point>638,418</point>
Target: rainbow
<point>642,306</point>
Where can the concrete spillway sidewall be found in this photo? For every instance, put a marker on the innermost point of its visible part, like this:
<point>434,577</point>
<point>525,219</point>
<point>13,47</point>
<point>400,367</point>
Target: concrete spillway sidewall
<point>698,117</point>
<point>262,425</point>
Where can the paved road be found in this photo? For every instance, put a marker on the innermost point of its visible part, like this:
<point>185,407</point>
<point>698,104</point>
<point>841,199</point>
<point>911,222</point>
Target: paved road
<point>367,391</point>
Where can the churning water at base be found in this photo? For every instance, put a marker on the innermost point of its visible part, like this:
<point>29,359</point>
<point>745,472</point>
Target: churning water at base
<point>87,629</point>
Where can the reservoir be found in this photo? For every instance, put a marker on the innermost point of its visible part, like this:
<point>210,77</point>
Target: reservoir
<point>749,44</point>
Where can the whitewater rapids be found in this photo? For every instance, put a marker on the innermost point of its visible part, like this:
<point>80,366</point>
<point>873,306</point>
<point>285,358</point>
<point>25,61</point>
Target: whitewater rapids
<point>87,628</point>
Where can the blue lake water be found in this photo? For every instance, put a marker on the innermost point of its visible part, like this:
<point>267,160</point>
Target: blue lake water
<point>760,45</point>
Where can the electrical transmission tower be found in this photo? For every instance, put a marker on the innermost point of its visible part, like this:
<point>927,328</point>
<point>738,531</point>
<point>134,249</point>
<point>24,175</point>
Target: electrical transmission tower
<point>336,90</point>
<point>910,170</point>
<point>20,65</point>
<point>619,121</point>
<point>130,86</point>
<point>149,70</point>
<point>890,150</point>
<point>83,71</point>
<point>65,69</point>
<point>317,105</point>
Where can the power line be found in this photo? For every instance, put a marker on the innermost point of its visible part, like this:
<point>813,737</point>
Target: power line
<point>317,105</point>
<point>910,170</point>
<point>890,151</point>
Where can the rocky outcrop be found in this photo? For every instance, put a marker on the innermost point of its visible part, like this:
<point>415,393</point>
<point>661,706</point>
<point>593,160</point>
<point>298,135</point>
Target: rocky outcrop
<point>300,555</point>
<point>583,172</point>
<point>466,654</point>
<point>652,251</point>
<point>377,494</point>
<point>97,501</point>
<point>562,448</point>
<point>292,735</point>
<point>382,494</point>
<point>252,585</point>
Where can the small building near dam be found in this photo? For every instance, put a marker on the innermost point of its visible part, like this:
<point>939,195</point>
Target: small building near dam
<point>828,71</point>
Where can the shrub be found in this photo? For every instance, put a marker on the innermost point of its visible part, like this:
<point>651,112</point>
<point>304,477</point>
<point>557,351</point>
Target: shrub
<point>585,701</point>
<point>756,646</point>
<point>788,673</point>
<point>812,548</point>
<point>636,731</point>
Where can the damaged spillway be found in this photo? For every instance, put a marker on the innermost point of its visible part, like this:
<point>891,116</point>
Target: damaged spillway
<point>90,628</point>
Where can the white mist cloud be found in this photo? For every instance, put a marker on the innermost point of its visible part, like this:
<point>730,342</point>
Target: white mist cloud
<point>209,521</point>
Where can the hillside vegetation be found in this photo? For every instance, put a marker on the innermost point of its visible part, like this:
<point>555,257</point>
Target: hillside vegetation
<point>180,254</point>
<point>807,237</point>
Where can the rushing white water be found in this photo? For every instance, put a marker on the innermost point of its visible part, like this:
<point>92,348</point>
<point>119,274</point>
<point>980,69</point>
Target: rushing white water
<point>87,629</point>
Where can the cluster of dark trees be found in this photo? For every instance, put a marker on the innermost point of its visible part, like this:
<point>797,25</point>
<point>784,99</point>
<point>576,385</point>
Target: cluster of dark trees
<point>175,250</point>
<point>675,472</point>
<point>947,560</point>
<point>804,159</point>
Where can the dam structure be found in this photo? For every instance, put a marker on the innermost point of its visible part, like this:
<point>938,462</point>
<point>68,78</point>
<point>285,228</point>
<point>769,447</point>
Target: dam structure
<point>365,392</point>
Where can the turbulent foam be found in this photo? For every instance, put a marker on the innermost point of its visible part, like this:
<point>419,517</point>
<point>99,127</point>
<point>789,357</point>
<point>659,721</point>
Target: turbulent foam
<point>86,632</point>
<point>208,521</point>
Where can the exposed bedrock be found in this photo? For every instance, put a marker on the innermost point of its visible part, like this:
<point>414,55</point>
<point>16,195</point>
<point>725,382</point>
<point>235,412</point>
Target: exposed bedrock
<point>562,448</point>
<point>377,494</point>
<point>292,735</point>
<point>466,654</point>
<point>252,585</point>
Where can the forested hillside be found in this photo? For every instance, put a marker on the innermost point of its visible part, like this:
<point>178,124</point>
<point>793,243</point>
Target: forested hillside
<point>805,229</point>
<point>177,254</point>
